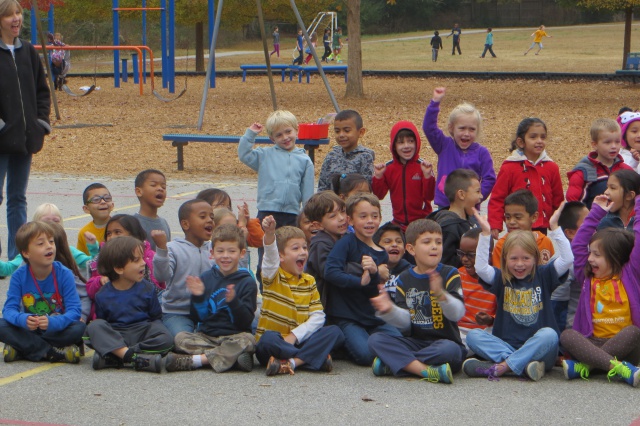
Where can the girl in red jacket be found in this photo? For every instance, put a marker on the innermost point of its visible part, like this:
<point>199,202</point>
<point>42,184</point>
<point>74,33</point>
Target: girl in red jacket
<point>528,167</point>
<point>409,178</point>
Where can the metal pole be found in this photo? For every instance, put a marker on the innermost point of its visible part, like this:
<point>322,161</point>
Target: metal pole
<point>43,45</point>
<point>212,53</point>
<point>50,20</point>
<point>34,26</point>
<point>171,47</point>
<point>315,56</point>
<point>163,42</point>
<point>267,57</point>
<point>144,41</point>
<point>116,42</point>
<point>212,18</point>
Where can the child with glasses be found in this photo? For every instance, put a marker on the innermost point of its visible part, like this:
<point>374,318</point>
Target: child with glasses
<point>98,203</point>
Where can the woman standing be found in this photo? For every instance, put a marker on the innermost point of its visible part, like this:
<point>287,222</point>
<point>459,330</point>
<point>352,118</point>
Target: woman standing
<point>24,114</point>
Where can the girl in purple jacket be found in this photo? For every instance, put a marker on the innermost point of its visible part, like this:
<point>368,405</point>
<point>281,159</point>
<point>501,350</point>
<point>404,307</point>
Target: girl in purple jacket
<point>605,334</point>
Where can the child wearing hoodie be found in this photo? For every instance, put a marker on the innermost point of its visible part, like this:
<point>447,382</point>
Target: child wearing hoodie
<point>409,178</point>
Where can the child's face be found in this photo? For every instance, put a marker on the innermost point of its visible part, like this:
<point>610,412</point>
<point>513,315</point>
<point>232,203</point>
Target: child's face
<point>308,227</point>
<point>347,134</point>
<point>472,196</point>
<point>633,135</point>
<point>362,187</point>
<point>570,233</point>
<point>406,148</point>
<point>50,218</point>
<point>607,146</point>
<point>520,263</point>
<point>615,194</point>
<point>153,191</point>
<point>334,223</point>
<point>535,141</point>
<point>99,205</point>
<point>41,251</point>
<point>464,130</point>
<point>199,225</point>
<point>11,24</point>
<point>467,254</point>
<point>516,217</point>
<point>227,255</point>
<point>599,265</point>
<point>285,137</point>
<point>134,270</point>
<point>221,202</point>
<point>294,256</point>
<point>427,250</point>
<point>115,230</point>
<point>391,242</point>
<point>365,220</point>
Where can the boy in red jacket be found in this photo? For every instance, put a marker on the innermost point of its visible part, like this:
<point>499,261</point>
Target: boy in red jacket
<point>409,178</point>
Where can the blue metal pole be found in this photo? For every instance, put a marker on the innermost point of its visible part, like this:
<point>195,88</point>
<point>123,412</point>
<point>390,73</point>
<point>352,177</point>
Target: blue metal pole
<point>50,19</point>
<point>163,41</point>
<point>212,18</point>
<point>134,65</point>
<point>172,46</point>
<point>144,43</point>
<point>116,42</point>
<point>34,28</point>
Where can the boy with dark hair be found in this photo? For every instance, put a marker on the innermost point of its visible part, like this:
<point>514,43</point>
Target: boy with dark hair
<point>223,302</point>
<point>436,44</point>
<point>98,203</point>
<point>391,238</point>
<point>176,260</point>
<point>290,330</point>
<point>463,190</point>
<point>427,308</point>
<point>521,212</point>
<point>408,177</point>
<point>41,316</point>
<point>151,190</point>
<point>348,156</point>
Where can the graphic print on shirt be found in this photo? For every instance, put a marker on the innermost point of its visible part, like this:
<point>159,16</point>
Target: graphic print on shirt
<point>34,304</point>
<point>425,311</point>
<point>524,305</point>
<point>391,286</point>
<point>218,302</point>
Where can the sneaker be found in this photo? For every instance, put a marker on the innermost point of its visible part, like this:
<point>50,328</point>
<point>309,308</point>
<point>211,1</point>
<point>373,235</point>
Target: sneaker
<point>575,370</point>
<point>534,370</point>
<point>11,354</point>
<point>278,366</point>
<point>175,362</point>
<point>107,361</point>
<point>327,367</point>
<point>147,362</point>
<point>438,373</point>
<point>68,354</point>
<point>380,368</point>
<point>245,362</point>
<point>626,371</point>
<point>473,367</point>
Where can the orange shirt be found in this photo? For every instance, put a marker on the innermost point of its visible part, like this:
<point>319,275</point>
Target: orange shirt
<point>544,244</point>
<point>476,299</point>
<point>609,307</point>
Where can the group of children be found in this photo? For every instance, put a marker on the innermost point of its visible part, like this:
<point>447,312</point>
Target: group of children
<point>427,294</point>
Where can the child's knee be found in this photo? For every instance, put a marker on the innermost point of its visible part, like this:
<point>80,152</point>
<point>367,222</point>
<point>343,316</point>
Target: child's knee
<point>548,334</point>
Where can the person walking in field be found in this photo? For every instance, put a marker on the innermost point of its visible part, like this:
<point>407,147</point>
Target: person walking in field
<point>436,43</point>
<point>488,44</point>
<point>455,32</point>
<point>537,39</point>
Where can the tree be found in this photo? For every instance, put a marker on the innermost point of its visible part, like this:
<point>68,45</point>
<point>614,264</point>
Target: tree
<point>355,88</point>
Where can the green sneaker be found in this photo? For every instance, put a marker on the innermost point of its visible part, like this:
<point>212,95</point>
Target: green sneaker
<point>626,371</point>
<point>380,368</point>
<point>575,370</point>
<point>11,354</point>
<point>438,373</point>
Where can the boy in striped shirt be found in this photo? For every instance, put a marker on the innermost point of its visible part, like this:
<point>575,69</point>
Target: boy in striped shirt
<point>290,331</point>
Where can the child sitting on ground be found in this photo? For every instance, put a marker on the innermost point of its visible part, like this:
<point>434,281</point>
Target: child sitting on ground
<point>151,190</point>
<point>525,334</point>
<point>176,260</point>
<point>128,327</point>
<point>622,188</point>
<point>223,302</point>
<point>630,128</point>
<point>41,315</point>
<point>408,177</point>
<point>290,331</point>
<point>348,156</point>
<point>98,203</point>
<point>427,308</point>
<point>391,238</point>
<point>460,149</point>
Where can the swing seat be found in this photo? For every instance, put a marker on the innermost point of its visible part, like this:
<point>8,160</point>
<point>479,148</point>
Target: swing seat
<point>163,99</point>
<point>70,92</point>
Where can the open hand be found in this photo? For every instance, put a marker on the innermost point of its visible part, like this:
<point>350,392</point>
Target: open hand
<point>435,284</point>
<point>231,293</point>
<point>194,285</point>
<point>603,201</point>
<point>382,302</point>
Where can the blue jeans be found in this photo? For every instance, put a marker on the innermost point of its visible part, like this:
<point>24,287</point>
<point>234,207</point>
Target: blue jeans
<point>34,345</point>
<point>542,346</point>
<point>177,323</point>
<point>357,338</point>
<point>16,169</point>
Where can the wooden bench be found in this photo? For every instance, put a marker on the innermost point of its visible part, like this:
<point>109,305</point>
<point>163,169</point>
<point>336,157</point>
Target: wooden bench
<point>633,62</point>
<point>180,140</point>
<point>250,67</point>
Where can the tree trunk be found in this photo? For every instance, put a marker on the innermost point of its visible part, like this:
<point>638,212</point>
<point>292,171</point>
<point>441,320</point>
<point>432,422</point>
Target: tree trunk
<point>199,46</point>
<point>628,17</point>
<point>354,82</point>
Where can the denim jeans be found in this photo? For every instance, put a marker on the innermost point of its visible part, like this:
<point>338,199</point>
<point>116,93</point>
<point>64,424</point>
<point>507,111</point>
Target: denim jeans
<point>357,339</point>
<point>177,323</point>
<point>542,346</point>
<point>15,168</point>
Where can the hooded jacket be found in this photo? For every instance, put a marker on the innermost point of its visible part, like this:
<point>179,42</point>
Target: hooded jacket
<point>411,192</point>
<point>25,101</point>
<point>542,178</point>
<point>453,228</point>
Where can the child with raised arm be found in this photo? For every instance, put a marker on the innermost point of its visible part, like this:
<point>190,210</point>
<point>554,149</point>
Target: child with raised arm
<point>537,39</point>
<point>98,203</point>
<point>290,331</point>
<point>408,177</point>
<point>528,167</point>
<point>525,333</point>
<point>606,333</point>
<point>427,307</point>
<point>41,315</point>
<point>151,190</point>
<point>460,150</point>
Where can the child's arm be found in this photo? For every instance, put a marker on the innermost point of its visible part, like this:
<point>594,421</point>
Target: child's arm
<point>487,174</point>
<point>164,263</point>
<point>557,191</point>
<point>485,271</point>
<point>307,185</point>
<point>575,191</point>
<point>314,322</point>
<point>435,136</point>
<point>271,258</point>
<point>634,262</point>
<point>365,164</point>
<point>256,234</point>
<point>155,310</point>
<point>92,244</point>
<point>452,307</point>
<point>379,183</point>
<point>430,181</point>
<point>395,315</point>
<point>12,310</point>
<point>8,268</point>
<point>245,147</point>
<point>563,247</point>
<point>94,284</point>
<point>501,189</point>
<point>335,269</point>
<point>241,299</point>
<point>72,306</point>
<point>580,243</point>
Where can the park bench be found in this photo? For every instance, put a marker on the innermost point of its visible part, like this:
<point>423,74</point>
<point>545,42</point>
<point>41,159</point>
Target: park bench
<point>633,62</point>
<point>252,67</point>
<point>180,140</point>
<point>308,70</point>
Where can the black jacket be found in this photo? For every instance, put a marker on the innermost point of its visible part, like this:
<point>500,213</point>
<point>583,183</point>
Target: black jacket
<point>453,227</point>
<point>25,101</point>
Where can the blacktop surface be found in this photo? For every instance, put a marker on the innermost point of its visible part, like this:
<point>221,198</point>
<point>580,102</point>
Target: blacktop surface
<point>63,394</point>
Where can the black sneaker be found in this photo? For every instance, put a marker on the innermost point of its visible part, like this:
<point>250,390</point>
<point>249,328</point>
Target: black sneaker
<point>147,362</point>
<point>327,367</point>
<point>68,354</point>
<point>245,362</point>
<point>176,362</point>
<point>107,361</point>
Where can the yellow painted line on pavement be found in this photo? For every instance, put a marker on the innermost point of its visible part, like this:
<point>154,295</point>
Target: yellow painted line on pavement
<point>37,370</point>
